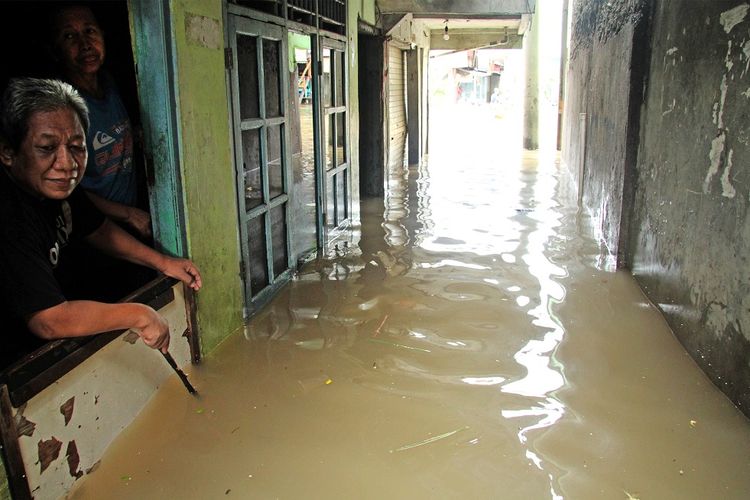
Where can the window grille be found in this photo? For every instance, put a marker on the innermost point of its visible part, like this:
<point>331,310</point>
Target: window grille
<point>327,15</point>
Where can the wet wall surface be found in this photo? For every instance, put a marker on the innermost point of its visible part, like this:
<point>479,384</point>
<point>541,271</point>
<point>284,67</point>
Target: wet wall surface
<point>602,107</point>
<point>469,346</point>
<point>684,225</point>
<point>692,245</point>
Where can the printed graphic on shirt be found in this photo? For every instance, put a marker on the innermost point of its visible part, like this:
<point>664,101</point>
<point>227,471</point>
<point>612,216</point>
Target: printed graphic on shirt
<point>101,139</point>
<point>113,153</point>
<point>64,227</point>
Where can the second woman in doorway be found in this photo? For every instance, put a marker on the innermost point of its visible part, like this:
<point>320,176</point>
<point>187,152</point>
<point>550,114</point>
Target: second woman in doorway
<point>110,180</point>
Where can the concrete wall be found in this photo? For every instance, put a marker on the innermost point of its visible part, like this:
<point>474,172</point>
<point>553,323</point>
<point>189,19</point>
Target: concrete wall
<point>691,239</point>
<point>208,172</point>
<point>69,425</point>
<point>601,84</point>
<point>664,160</point>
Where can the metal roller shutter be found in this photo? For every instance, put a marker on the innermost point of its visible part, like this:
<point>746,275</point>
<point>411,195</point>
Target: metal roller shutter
<point>396,106</point>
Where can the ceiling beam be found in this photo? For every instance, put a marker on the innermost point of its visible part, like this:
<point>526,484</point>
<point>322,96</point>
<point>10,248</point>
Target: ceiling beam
<point>458,8</point>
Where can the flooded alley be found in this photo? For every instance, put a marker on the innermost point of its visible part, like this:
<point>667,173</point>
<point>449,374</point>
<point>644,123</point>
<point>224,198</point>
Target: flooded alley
<point>470,343</point>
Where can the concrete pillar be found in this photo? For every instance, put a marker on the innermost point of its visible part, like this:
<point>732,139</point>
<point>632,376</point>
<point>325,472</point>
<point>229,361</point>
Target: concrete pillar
<point>563,72</point>
<point>531,94</point>
<point>413,119</point>
<point>424,69</point>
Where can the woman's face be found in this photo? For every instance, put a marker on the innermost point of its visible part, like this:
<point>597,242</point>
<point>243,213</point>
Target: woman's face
<point>79,42</point>
<point>52,157</point>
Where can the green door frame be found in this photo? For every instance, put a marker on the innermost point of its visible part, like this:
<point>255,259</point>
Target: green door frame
<point>153,47</point>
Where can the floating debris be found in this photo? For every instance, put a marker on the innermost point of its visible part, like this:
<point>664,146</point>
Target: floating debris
<point>377,330</point>
<point>430,440</point>
<point>311,345</point>
<point>308,384</point>
<point>394,344</point>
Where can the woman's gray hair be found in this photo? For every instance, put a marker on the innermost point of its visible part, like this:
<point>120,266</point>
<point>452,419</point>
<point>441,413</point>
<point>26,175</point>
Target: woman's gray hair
<point>25,96</point>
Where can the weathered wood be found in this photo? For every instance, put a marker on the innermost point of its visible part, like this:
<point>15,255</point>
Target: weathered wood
<point>192,325</point>
<point>11,452</point>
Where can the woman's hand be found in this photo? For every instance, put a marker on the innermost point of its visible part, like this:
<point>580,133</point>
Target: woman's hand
<point>153,329</point>
<point>183,270</point>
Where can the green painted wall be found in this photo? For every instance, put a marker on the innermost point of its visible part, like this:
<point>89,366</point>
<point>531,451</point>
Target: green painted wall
<point>4,492</point>
<point>365,10</point>
<point>207,168</point>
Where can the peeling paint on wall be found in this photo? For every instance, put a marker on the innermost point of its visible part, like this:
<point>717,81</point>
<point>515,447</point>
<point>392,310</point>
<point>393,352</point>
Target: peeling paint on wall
<point>733,17</point>
<point>48,451</point>
<point>23,426</point>
<point>726,186</point>
<point>670,53</point>
<point>716,317</point>
<point>728,20</point>
<point>67,409</point>
<point>718,113</point>
<point>717,149</point>
<point>71,454</point>
<point>130,337</point>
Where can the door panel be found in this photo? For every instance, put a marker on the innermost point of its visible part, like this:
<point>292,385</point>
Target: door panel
<point>335,132</point>
<point>258,79</point>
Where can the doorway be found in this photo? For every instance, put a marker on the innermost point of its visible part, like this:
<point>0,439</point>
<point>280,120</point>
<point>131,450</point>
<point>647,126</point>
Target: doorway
<point>302,109</point>
<point>335,125</point>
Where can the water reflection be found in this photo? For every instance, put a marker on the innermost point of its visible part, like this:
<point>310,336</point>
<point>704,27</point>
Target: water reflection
<point>514,217</point>
<point>468,346</point>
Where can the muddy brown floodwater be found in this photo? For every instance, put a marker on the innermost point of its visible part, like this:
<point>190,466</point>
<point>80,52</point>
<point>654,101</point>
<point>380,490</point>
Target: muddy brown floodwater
<point>471,344</point>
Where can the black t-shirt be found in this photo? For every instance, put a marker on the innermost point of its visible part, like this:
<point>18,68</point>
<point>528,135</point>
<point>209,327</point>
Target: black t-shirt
<point>34,236</point>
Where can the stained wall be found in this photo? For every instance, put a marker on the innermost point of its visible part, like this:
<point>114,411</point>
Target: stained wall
<point>690,242</point>
<point>661,155</point>
<point>207,168</point>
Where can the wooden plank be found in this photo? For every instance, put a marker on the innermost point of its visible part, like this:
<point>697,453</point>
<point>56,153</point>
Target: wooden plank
<point>11,452</point>
<point>152,48</point>
<point>192,325</point>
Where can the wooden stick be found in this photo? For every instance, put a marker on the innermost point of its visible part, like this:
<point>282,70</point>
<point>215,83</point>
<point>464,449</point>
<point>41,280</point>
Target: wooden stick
<point>180,373</point>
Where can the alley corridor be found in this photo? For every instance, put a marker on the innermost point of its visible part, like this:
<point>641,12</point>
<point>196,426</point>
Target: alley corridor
<point>471,344</point>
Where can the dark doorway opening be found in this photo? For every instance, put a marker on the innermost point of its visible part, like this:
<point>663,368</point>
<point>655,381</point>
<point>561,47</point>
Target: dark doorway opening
<point>371,116</point>
<point>28,52</point>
